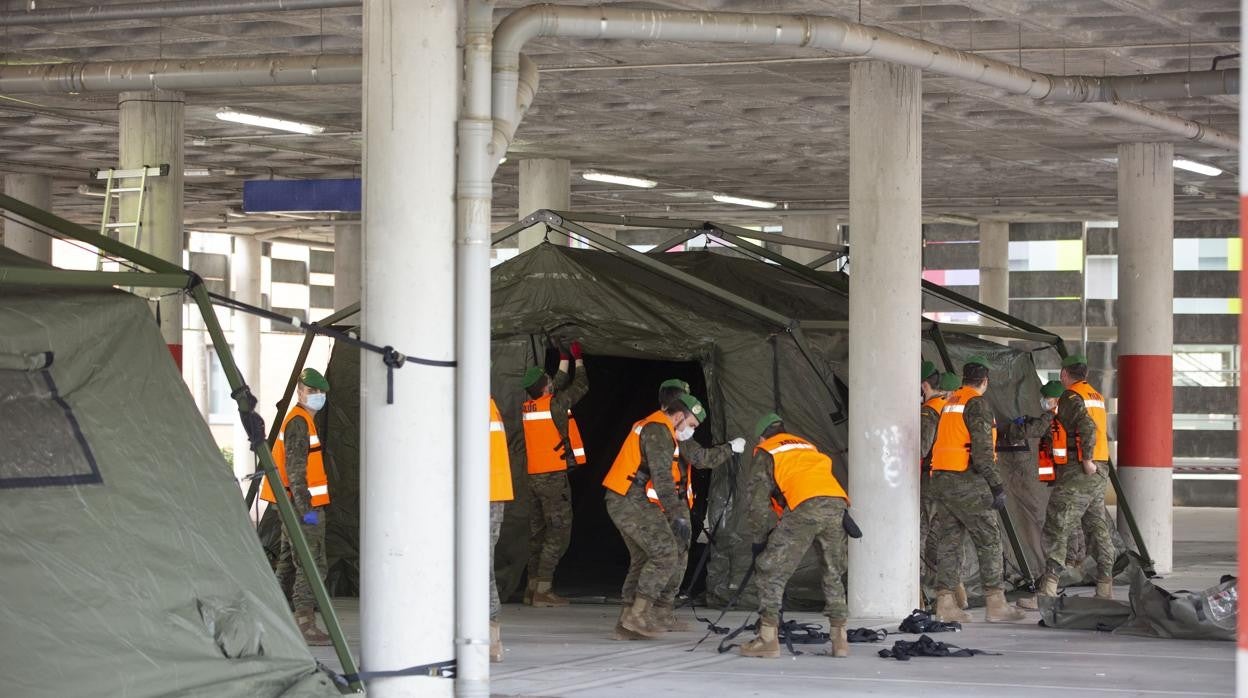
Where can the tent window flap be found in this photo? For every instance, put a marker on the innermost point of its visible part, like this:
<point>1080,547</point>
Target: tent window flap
<point>41,444</point>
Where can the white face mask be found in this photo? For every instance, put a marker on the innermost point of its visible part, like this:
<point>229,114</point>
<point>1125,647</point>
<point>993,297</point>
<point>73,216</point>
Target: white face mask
<point>315,401</point>
<point>684,433</point>
<point>1048,404</point>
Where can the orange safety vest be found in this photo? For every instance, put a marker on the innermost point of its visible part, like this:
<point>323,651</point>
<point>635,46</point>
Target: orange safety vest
<point>1052,452</point>
<point>935,403</point>
<point>1094,402</point>
<point>800,471</point>
<point>318,484</point>
<point>500,460</point>
<point>542,443</point>
<point>624,470</point>
<point>952,450</point>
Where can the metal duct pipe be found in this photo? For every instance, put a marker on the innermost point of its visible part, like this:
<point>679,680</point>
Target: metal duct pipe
<point>1201,83</point>
<point>826,33</point>
<point>1191,130</point>
<point>162,10</point>
<point>182,74</point>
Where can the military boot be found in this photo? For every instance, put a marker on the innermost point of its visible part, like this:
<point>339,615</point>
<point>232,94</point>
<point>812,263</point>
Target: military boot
<point>496,642</point>
<point>544,596</point>
<point>667,619</point>
<point>765,644</point>
<point>959,595</point>
<point>998,610</point>
<point>1105,588</point>
<point>840,641</point>
<point>639,619</point>
<point>1048,587</point>
<point>947,608</point>
<point>620,632</point>
<point>305,618</point>
<point>528,593</point>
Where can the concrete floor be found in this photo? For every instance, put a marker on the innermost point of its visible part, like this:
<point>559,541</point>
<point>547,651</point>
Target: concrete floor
<point>568,652</point>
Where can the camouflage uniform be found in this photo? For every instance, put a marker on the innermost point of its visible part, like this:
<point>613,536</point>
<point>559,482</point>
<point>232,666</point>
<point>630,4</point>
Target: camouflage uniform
<point>816,521</point>
<point>928,421</point>
<point>654,554</point>
<point>550,518</point>
<point>692,455</point>
<point>1078,500</point>
<point>296,439</point>
<point>496,527</point>
<point>963,505</point>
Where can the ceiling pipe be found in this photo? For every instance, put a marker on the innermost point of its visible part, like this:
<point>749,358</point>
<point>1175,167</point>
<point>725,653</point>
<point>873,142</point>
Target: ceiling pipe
<point>1191,130</point>
<point>182,74</point>
<point>1137,88</point>
<point>827,33</point>
<point>162,10</point>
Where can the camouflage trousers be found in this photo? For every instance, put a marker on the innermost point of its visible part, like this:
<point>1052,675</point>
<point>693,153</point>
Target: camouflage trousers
<point>288,563</point>
<point>963,507</point>
<point>927,543</point>
<point>637,558</point>
<point>654,556</point>
<point>1078,502</point>
<point>815,521</point>
<point>550,522</point>
<point>496,527</point>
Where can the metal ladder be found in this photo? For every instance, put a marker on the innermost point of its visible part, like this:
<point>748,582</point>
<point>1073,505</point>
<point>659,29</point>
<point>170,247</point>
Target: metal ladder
<point>113,189</point>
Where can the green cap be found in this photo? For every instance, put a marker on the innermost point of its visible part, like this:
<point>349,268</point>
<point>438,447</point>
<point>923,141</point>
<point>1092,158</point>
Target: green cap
<point>695,408</point>
<point>949,381</point>
<point>978,360</point>
<point>674,383</point>
<point>531,377</point>
<point>765,421</point>
<point>1052,389</point>
<point>1075,360</point>
<point>926,370</point>
<point>313,379</point>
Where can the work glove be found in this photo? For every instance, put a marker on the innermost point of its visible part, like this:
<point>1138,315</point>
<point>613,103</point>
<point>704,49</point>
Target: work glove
<point>682,530</point>
<point>312,518</point>
<point>757,549</point>
<point>738,445</point>
<point>253,425</point>
<point>563,354</point>
<point>850,526</point>
<point>575,349</point>
<point>1019,421</point>
<point>998,497</point>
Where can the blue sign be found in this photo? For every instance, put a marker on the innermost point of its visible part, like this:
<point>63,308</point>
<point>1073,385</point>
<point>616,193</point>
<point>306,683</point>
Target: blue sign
<point>289,195</point>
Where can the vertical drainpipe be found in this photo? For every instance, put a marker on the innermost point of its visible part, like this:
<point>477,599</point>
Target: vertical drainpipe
<point>472,308</point>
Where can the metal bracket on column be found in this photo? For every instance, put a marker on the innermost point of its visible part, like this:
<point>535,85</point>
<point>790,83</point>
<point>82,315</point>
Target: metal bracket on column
<point>1125,509</point>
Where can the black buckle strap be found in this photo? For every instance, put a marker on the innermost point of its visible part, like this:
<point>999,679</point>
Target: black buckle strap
<point>437,670</point>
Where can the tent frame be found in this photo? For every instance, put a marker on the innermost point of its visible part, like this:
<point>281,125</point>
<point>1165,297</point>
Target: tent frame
<point>165,274</point>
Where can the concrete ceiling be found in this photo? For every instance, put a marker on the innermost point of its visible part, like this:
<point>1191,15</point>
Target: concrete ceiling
<point>768,123</point>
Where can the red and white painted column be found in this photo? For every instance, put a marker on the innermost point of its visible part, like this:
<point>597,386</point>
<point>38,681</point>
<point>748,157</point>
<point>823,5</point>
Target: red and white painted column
<point>1146,342</point>
<point>149,134</point>
<point>1241,663</point>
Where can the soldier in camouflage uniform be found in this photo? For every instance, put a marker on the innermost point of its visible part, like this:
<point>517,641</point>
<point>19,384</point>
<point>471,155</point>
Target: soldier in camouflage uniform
<point>1078,498</point>
<point>654,535</point>
<point>934,388</point>
<point>968,492</point>
<point>550,515</point>
<point>791,472</point>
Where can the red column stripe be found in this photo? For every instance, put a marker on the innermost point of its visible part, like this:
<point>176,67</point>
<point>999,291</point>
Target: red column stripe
<point>176,351</point>
<point>1145,411</point>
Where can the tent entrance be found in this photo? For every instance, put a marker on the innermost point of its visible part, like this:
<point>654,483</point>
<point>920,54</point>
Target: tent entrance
<point>621,391</point>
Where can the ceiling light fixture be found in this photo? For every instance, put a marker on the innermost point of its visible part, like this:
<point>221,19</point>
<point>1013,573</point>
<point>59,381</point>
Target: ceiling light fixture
<point>240,117</point>
<point>752,203</point>
<point>1197,167</point>
<point>620,179</point>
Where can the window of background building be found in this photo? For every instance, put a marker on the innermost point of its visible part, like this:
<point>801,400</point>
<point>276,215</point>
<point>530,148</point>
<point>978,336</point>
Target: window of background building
<point>221,407</point>
<point>1206,365</point>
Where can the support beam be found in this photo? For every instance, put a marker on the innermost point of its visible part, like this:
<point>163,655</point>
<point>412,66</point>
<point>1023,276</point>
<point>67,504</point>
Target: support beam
<point>809,226</point>
<point>885,308</point>
<point>1146,341</point>
<point>35,190</point>
<point>407,516</point>
<point>544,184</point>
<point>150,133</point>
<point>346,266</point>
<point>245,281</point>
<point>994,264</point>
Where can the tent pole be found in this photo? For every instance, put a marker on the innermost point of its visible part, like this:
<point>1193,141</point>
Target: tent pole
<point>1125,509</point>
<point>36,276</point>
<point>939,339</point>
<point>241,395</point>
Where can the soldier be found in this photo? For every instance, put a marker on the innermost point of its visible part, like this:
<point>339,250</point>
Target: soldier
<point>500,493</point>
<point>552,446</point>
<point>935,388</point>
<point>298,456</point>
<point>791,472</point>
<point>648,465</point>
<point>1078,497</point>
<point>967,489</point>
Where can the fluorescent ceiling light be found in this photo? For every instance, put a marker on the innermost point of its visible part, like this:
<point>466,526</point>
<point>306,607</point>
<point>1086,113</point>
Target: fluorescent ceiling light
<point>196,172</point>
<point>753,203</point>
<point>239,117</point>
<point>620,179</point>
<point>1197,167</point>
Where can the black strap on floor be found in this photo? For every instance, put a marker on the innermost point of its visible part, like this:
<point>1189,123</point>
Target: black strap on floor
<point>866,635</point>
<point>715,627</point>
<point>920,621</point>
<point>903,650</point>
<point>792,632</point>
<point>437,670</point>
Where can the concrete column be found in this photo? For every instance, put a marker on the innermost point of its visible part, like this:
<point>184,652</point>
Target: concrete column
<point>885,306</point>
<point>1146,342</point>
<point>543,184</point>
<point>407,485</point>
<point>35,190</point>
<point>994,264</point>
<point>149,127</point>
<point>809,226</point>
<point>245,279</point>
<point>346,266</point>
